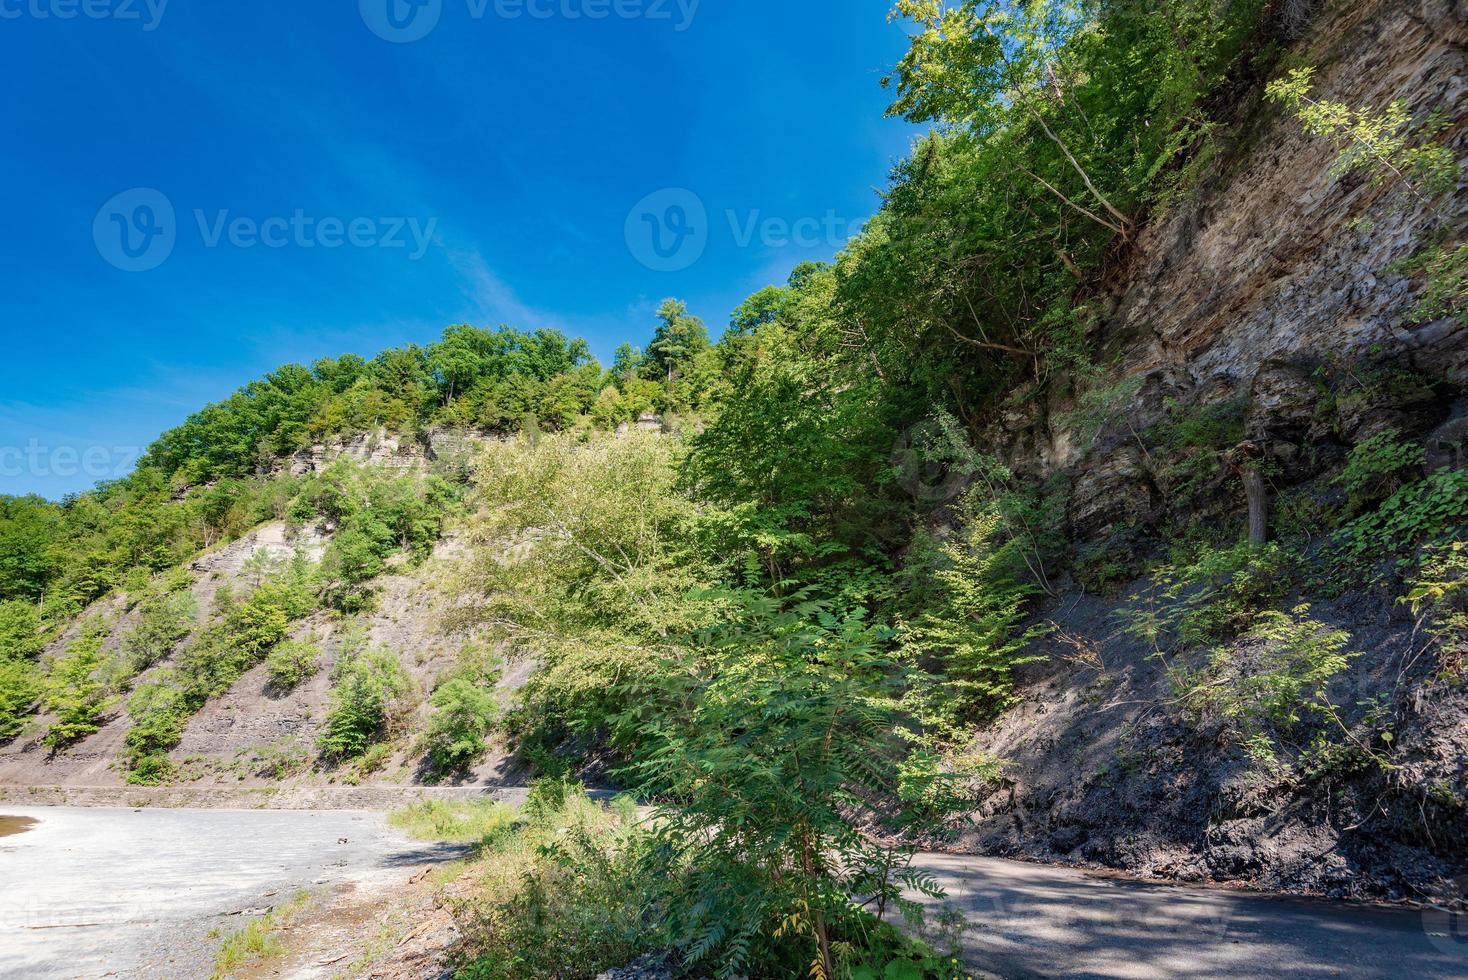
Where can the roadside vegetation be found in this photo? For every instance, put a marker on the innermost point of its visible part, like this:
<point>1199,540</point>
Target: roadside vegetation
<point>259,940</point>
<point>456,823</point>
<point>777,625</point>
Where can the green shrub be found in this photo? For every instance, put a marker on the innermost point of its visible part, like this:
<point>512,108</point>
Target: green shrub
<point>1428,511</point>
<point>357,555</point>
<point>211,663</point>
<point>257,626</point>
<point>377,515</point>
<point>1209,594</point>
<point>75,694</point>
<point>1300,656</point>
<point>372,759</point>
<point>20,686</point>
<point>1279,682</point>
<point>1445,292</point>
<point>463,714</point>
<point>280,760</point>
<point>366,699</point>
<point>163,621</point>
<point>292,662</point>
<point>567,894</point>
<point>160,709</point>
<point>769,740</point>
<point>263,619</point>
<point>152,770</point>
<point>244,632</point>
<point>1190,444</point>
<point>1378,467</point>
<point>22,638</point>
<point>1438,595</point>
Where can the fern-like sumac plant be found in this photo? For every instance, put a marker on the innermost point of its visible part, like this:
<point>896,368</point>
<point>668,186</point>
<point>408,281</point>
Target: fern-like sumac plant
<point>774,740</point>
<point>973,632</point>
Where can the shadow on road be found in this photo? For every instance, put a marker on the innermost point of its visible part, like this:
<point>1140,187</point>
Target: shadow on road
<point>1036,921</point>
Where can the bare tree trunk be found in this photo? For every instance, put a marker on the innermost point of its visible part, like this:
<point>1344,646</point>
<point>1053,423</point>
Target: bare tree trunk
<point>1245,459</point>
<point>1258,496</point>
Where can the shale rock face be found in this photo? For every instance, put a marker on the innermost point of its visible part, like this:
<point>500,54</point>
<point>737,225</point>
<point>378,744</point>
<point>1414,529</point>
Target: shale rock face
<point>1264,314</point>
<point>378,448</point>
<point>1282,260</point>
<point>436,448</point>
<point>1275,286</point>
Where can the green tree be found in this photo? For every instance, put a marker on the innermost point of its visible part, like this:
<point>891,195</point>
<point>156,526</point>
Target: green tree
<point>1381,143</point>
<point>800,441</point>
<point>163,621</point>
<point>75,693</point>
<point>20,686</point>
<point>588,555</point>
<point>463,715</point>
<point>1058,124</point>
<point>678,341</point>
<point>159,710</point>
<point>367,697</point>
<point>627,363</point>
<point>21,632</point>
<point>972,627</point>
<point>30,541</point>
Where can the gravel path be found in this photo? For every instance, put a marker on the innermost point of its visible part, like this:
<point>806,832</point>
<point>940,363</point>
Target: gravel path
<point>99,892</point>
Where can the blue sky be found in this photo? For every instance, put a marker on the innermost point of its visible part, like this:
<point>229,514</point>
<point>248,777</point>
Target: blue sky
<point>332,190</point>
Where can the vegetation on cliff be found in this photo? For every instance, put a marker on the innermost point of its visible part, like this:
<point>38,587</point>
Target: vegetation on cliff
<point>780,624</point>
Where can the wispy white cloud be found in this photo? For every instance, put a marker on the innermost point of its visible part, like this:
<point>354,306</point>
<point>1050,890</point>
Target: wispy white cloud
<point>490,298</point>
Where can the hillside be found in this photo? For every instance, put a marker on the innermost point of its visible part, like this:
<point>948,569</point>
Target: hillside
<point>1103,502</point>
<point>1266,309</point>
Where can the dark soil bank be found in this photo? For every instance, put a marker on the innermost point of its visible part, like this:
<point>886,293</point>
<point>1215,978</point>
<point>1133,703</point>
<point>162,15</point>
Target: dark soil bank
<point>1106,768</point>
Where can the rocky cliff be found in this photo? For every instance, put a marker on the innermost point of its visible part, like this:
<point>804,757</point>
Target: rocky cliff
<point>1270,311</point>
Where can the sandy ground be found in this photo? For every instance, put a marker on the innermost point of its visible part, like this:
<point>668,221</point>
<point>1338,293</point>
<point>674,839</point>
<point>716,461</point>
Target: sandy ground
<point>106,892</point>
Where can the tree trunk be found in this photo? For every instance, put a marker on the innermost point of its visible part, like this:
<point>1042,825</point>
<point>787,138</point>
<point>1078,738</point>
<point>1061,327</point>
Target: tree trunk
<point>1258,496</point>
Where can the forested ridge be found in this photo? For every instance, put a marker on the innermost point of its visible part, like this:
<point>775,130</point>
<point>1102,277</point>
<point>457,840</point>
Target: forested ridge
<point>782,620</point>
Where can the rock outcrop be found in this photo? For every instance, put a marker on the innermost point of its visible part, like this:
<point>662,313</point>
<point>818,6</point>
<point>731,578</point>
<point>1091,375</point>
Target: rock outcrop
<point>1269,312</point>
<point>1278,283</point>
